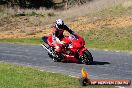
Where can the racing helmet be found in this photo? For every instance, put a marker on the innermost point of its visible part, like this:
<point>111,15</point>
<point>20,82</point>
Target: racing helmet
<point>59,24</point>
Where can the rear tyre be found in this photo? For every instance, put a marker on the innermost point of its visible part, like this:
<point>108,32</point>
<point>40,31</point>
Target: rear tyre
<point>87,58</point>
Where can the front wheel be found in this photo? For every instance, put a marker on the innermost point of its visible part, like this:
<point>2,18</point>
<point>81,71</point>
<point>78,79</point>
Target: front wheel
<point>87,58</point>
<point>56,57</point>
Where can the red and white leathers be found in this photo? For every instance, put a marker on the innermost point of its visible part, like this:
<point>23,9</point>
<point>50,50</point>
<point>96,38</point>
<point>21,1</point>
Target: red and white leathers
<point>58,36</point>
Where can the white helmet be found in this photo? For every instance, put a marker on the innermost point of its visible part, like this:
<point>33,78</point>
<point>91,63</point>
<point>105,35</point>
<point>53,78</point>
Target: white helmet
<point>59,23</point>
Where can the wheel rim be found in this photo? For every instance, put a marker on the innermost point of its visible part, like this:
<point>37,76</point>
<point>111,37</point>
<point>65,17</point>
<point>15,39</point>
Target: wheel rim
<point>58,57</point>
<point>85,59</point>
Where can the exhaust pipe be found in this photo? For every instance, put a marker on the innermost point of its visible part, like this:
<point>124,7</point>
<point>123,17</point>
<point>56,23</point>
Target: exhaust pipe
<point>45,47</point>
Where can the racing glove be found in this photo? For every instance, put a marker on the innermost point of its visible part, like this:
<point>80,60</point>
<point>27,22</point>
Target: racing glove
<point>58,41</point>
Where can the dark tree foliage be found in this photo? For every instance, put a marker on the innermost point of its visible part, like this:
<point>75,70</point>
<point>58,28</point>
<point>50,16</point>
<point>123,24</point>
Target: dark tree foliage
<point>78,2</point>
<point>22,3</point>
<point>41,3</point>
<point>28,3</point>
<point>2,2</point>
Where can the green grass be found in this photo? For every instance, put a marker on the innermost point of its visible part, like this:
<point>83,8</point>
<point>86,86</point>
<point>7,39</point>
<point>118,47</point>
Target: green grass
<point>14,76</point>
<point>103,38</point>
<point>117,10</point>
<point>22,40</point>
<point>109,38</point>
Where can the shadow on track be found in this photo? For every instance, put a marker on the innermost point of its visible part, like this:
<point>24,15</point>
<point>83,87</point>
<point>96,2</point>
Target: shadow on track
<point>94,62</point>
<point>99,63</point>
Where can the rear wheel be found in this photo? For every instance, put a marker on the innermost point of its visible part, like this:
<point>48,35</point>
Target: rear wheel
<point>87,58</point>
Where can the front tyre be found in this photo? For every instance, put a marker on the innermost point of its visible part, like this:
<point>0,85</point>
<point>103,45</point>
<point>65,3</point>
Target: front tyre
<point>87,58</point>
<point>56,57</point>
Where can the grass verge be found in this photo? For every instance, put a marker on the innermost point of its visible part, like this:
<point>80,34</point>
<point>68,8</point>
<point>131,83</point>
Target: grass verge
<point>109,38</point>
<point>14,76</point>
<point>117,10</point>
<point>22,40</point>
<point>102,38</point>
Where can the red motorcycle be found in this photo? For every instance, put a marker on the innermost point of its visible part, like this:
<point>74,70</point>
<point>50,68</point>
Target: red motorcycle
<point>74,51</point>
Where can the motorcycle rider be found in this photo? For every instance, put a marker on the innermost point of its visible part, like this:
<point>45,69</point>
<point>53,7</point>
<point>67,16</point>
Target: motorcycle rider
<point>58,29</point>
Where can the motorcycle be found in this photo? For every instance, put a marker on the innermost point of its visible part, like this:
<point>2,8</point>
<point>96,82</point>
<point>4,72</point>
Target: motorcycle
<point>73,51</point>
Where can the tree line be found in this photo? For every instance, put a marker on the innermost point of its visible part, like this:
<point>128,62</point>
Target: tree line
<point>40,3</point>
<point>28,3</point>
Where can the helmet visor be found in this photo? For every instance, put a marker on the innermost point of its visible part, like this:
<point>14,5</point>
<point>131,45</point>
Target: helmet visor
<point>60,26</point>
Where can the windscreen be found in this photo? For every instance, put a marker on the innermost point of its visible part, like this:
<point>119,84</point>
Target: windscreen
<point>73,37</point>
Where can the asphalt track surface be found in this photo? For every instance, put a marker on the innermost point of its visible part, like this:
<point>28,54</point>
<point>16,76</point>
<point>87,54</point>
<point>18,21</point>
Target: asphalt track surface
<point>107,64</point>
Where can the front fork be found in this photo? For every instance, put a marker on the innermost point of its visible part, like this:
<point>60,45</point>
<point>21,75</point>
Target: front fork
<point>46,48</point>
